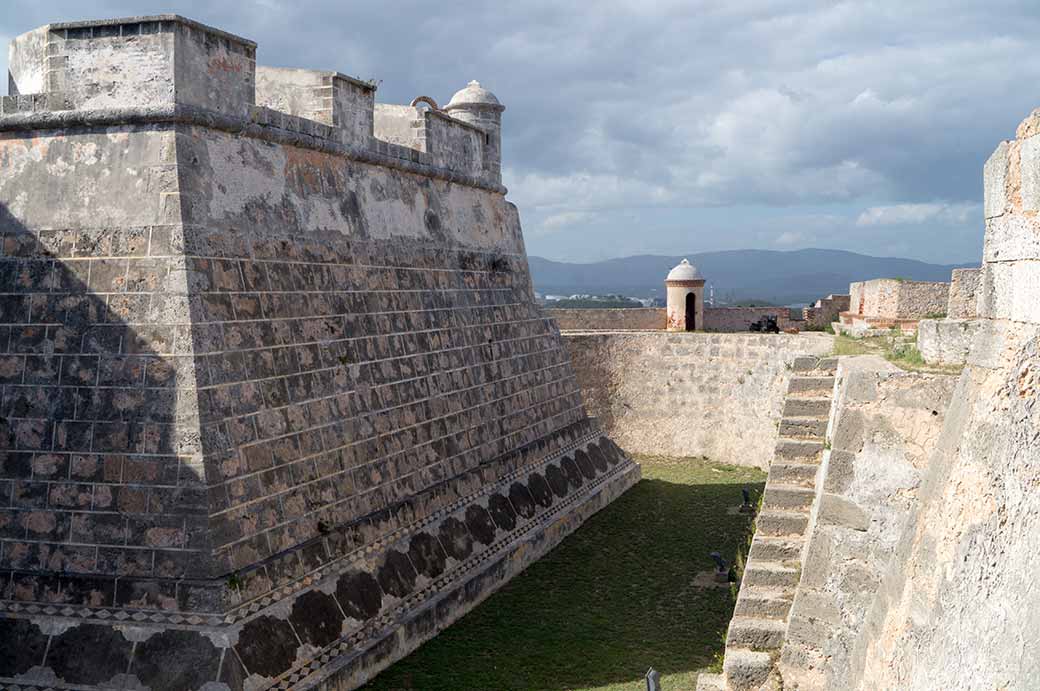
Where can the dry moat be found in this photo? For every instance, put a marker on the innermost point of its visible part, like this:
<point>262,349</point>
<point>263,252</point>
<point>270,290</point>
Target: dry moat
<point>613,599</point>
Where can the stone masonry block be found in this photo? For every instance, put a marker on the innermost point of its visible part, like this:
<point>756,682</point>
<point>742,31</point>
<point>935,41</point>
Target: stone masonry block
<point>1030,171</point>
<point>994,182</point>
<point>1011,237</point>
<point>1009,291</point>
<point>837,510</point>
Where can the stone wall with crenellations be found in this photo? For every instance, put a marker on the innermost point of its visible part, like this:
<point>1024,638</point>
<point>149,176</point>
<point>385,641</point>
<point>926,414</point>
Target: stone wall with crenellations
<point>278,402</point>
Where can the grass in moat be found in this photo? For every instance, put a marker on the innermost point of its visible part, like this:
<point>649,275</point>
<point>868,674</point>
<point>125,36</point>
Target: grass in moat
<point>615,598</point>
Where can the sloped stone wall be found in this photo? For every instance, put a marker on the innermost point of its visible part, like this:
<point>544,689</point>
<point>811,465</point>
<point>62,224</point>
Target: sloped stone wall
<point>885,424</point>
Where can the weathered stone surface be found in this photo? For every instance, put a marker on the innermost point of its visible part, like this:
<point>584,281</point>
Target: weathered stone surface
<point>1007,290</point>
<point>886,423</point>
<point>994,176</point>
<point>946,341</point>
<point>1029,160</point>
<point>729,388</point>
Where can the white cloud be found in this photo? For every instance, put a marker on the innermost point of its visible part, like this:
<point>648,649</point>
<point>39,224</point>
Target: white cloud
<point>803,106</point>
<point>911,214</point>
<point>789,238</point>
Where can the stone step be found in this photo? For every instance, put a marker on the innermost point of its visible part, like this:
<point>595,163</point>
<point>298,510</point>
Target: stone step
<point>805,363</point>
<point>781,523</point>
<point>812,365</point>
<point>770,574</point>
<point>808,385</point>
<point>827,364</point>
<point>804,427</point>
<point>801,474</point>
<point>771,548</point>
<point>799,450</point>
<point>755,633</point>
<point>746,670</point>
<point>711,682</point>
<point>764,603</point>
<point>819,407</point>
<point>788,497</point>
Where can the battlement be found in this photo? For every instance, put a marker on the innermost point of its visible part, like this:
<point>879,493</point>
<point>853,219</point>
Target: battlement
<point>169,67</point>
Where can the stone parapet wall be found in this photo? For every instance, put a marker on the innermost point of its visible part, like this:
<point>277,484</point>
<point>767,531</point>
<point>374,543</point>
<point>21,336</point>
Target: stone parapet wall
<point>739,319</point>
<point>885,424</point>
<point>964,294</point>
<point>889,298</point>
<point>690,394</point>
<point>825,310</point>
<point>622,319</point>
<point>166,67</point>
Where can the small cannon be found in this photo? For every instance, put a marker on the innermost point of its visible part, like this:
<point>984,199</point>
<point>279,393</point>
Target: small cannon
<point>767,324</point>
<point>721,568</point>
<point>746,507</point>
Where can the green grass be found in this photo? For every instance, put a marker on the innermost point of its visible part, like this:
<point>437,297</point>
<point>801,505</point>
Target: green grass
<point>615,598</point>
<point>904,355</point>
<point>844,345</point>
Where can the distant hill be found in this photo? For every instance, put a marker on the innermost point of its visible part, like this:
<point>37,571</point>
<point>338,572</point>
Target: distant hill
<point>784,278</point>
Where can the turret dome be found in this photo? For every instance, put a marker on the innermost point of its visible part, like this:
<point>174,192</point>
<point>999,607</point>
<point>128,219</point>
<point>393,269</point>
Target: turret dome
<point>684,271</point>
<point>473,95</point>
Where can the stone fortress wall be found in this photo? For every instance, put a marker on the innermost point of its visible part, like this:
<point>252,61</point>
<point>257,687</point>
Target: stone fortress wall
<point>690,394</point>
<point>891,298</point>
<point>278,403</point>
<point>957,606</point>
<point>885,303</point>
<point>825,311</point>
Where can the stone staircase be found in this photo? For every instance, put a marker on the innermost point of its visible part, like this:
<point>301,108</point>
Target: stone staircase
<point>774,566</point>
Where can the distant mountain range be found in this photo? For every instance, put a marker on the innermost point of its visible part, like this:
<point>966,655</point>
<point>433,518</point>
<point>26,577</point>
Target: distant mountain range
<point>784,278</point>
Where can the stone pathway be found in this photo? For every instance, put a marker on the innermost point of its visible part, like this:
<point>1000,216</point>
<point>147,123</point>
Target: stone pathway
<point>756,632</point>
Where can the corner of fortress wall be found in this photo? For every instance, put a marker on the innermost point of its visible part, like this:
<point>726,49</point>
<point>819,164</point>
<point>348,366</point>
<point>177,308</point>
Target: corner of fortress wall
<point>279,404</point>
<point>957,607</point>
<point>932,585</point>
<point>912,566</point>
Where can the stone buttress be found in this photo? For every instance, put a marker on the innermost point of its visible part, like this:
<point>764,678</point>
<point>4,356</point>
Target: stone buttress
<point>278,403</point>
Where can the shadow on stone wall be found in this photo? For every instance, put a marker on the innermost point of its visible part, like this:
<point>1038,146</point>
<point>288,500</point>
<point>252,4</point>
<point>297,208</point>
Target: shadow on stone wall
<point>102,499</point>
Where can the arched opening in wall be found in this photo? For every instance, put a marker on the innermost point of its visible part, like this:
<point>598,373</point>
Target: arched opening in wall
<point>691,311</point>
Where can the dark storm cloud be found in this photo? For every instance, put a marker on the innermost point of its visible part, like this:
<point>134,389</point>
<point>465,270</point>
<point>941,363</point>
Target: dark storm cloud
<point>637,126</point>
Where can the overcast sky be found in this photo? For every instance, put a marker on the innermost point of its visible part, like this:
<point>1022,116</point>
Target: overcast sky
<point>670,127</point>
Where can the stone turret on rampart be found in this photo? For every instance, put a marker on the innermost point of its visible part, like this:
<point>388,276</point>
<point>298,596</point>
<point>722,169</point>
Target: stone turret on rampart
<point>151,66</point>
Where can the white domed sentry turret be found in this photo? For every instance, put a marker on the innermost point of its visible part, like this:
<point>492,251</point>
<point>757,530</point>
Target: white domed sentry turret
<point>478,106</point>
<point>685,289</point>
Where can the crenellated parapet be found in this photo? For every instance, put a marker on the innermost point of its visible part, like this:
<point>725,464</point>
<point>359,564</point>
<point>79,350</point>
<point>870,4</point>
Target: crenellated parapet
<point>167,67</point>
